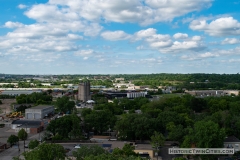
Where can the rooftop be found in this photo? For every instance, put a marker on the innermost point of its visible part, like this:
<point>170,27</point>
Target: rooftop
<point>41,107</point>
<point>28,122</point>
<point>231,139</point>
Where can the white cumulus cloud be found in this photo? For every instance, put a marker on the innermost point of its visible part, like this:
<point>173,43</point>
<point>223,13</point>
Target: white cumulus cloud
<point>230,41</point>
<point>115,35</point>
<point>22,6</point>
<point>84,52</point>
<point>144,12</point>
<point>10,24</point>
<point>219,27</point>
<point>180,36</point>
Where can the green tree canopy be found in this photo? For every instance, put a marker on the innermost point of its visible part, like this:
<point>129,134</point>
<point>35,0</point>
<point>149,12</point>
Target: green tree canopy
<point>22,134</point>
<point>126,151</point>
<point>100,121</point>
<point>112,157</point>
<point>64,104</point>
<point>46,152</point>
<point>157,140</point>
<point>12,139</point>
<point>33,144</point>
<point>66,127</point>
<point>86,151</point>
<point>205,134</point>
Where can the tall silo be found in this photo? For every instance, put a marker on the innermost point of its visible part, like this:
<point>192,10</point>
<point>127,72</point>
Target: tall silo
<point>84,91</point>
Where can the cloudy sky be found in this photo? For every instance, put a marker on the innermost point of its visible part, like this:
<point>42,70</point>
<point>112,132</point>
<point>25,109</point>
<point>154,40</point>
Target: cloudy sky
<point>119,36</point>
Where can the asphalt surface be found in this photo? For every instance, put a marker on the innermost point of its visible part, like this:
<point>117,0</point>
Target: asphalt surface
<point>9,153</point>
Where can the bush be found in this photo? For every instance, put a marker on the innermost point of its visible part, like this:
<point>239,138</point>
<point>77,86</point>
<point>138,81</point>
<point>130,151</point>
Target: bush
<point>2,125</point>
<point>57,137</point>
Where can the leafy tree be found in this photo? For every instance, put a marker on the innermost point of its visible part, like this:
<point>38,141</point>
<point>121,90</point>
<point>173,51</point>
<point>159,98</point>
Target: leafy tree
<point>126,151</point>
<point>180,158</point>
<point>176,133</point>
<point>136,126</point>
<point>143,127</point>
<point>208,134</point>
<point>205,134</point>
<point>67,127</point>
<point>37,98</point>
<point>64,105</point>
<point>99,121</point>
<point>17,158</point>
<point>85,111</point>
<point>125,128</point>
<point>22,134</point>
<point>76,131</point>
<point>112,157</point>
<point>86,151</point>
<point>198,104</point>
<point>33,144</point>
<point>46,152</point>
<point>157,140</point>
<point>12,139</point>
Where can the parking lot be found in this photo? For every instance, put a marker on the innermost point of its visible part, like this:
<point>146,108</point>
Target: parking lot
<point>84,105</point>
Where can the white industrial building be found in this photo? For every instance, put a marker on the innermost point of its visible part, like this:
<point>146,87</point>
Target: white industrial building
<point>18,92</point>
<point>136,94</point>
<point>38,112</point>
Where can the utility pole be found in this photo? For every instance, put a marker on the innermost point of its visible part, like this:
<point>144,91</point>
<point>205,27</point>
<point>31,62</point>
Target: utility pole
<point>18,146</point>
<point>25,135</point>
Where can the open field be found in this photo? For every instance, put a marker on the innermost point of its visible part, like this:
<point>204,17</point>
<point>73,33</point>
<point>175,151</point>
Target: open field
<point>6,106</point>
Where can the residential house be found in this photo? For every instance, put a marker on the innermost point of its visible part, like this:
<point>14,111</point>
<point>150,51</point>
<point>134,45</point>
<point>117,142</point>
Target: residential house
<point>232,142</point>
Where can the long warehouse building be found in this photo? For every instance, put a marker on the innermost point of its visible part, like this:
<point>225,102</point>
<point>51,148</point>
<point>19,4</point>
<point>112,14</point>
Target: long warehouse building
<point>38,112</point>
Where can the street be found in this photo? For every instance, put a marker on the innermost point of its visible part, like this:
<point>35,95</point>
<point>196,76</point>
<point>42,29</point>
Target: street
<point>9,153</point>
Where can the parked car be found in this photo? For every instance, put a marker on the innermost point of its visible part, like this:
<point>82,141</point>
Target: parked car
<point>26,146</point>
<point>67,150</point>
<point>15,146</point>
<point>77,146</point>
<point>174,144</point>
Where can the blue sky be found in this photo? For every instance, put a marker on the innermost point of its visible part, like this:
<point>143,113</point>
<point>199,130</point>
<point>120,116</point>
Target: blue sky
<point>119,36</point>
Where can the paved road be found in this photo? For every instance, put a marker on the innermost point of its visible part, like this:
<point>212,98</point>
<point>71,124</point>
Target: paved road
<point>9,153</point>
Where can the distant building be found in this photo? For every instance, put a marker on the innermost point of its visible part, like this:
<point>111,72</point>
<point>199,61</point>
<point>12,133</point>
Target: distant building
<point>84,91</point>
<point>112,95</point>
<point>130,95</point>
<point>46,84</point>
<point>136,94</point>
<point>119,79</point>
<point>19,92</point>
<point>204,93</point>
<point>168,89</point>
<point>97,87</point>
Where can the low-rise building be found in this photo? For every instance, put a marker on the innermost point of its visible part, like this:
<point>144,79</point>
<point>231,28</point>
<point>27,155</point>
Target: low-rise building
<point>39,112</point>
<point>30,126</point>
<point>203,93</point>
<point>136,94</point>
<point>232,142</point>
<point>19,92</point>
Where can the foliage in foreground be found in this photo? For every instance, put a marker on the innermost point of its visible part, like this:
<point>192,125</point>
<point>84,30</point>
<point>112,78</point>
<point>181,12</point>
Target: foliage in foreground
<point>46,152</point>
